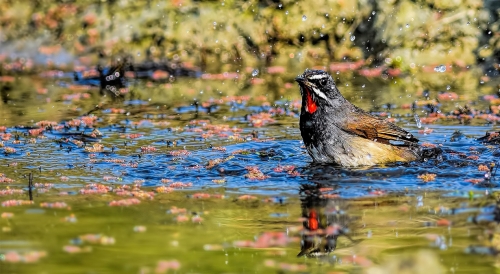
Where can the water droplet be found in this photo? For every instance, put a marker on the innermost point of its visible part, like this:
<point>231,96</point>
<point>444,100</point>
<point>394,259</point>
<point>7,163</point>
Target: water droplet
<point>286,12</point>
<point>304,18</point>
<point>353,38</point>
<point>448,87</point>
<point>407,25</point>
<point>441,68</point>
<point>363,86</point>
<point>215,23</point>
<point>417,120</point>
<point>280,6</point>
<point>373,12</point>
<point>255,72</point>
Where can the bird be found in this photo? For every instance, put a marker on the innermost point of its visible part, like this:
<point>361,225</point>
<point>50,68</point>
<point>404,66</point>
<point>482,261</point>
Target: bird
<point>335,131</point>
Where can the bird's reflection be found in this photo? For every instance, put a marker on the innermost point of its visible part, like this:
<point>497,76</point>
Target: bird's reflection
<point>325,220</point>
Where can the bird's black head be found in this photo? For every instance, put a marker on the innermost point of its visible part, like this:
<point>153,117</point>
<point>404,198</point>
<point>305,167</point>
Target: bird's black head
<point>317,89</point>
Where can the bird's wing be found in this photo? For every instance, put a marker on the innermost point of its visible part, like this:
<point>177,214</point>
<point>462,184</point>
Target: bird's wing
<point>373,128</point>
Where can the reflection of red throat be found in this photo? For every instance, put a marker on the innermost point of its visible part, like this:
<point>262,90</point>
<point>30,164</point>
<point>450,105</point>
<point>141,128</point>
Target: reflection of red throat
<point>313,220</point>
<point>311,105</point>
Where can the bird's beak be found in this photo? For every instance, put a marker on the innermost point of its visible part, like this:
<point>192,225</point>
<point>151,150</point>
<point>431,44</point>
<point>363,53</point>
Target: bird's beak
<point>304,82</point>
<point>300,79</point>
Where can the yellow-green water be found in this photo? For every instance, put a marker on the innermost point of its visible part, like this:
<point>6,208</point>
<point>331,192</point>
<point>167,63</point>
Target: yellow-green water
<point>396,221</point>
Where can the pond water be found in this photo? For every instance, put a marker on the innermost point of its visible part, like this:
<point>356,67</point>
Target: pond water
<point>211,176</point>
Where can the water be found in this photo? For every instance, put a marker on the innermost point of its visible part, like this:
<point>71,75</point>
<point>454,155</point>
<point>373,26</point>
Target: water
<point>174,175</point>
<point>418,122</point>
<point>440,68</point>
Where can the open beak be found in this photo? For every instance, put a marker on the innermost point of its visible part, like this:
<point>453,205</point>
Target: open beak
<point>304,82</point>
<point>310,104</point>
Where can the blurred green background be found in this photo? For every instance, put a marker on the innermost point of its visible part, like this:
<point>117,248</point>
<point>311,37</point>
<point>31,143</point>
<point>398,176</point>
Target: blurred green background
<point>217,36</point>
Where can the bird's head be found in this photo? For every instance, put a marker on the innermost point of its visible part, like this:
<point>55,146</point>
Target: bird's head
<point>317,89</point>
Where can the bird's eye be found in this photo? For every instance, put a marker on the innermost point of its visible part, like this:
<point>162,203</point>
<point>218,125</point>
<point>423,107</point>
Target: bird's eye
<point>322,82</point>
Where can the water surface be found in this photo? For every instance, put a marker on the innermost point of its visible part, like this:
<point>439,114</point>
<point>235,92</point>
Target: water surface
<point>211,176</point>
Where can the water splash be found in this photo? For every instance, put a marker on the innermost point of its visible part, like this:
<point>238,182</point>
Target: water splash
<point>417,120</point>
<point>441,68</point>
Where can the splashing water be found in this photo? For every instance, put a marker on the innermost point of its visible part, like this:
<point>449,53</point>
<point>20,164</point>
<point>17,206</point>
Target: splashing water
<point>417,121</point>
<point>441,68</point>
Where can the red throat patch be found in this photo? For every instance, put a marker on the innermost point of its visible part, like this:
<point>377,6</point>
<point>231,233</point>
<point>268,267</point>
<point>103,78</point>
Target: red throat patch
<point>311,106</point>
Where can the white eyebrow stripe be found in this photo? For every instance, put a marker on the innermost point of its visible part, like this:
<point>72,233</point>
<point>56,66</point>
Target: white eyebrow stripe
<point>320,94</point>
<point>318,76</point>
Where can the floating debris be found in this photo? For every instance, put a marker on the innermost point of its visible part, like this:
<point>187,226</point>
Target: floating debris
<point>178,153</point>
<point>9,150</point>
<point>6,180</point>
<point>55,205</point>
<point>255,174</point>
<point>483,168</point>
<point>165,266</point>
<point>219,181</point>
<point>7,215</point>
<point>23,257</point>
<point>70,219</point>
<point>427,177</point>
<point>95,189</point>
<point>176,210</point>
<point>73,249</point>
<point>164,189</point>
<point>180,185</point>
<point>10,203</point>
<point>247,197</point>
<point>139,228</point>
<point>125,202</point>
<point>148,149</point>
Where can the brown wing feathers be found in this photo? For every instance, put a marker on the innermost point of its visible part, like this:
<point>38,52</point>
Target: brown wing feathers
<point>377,129</point>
